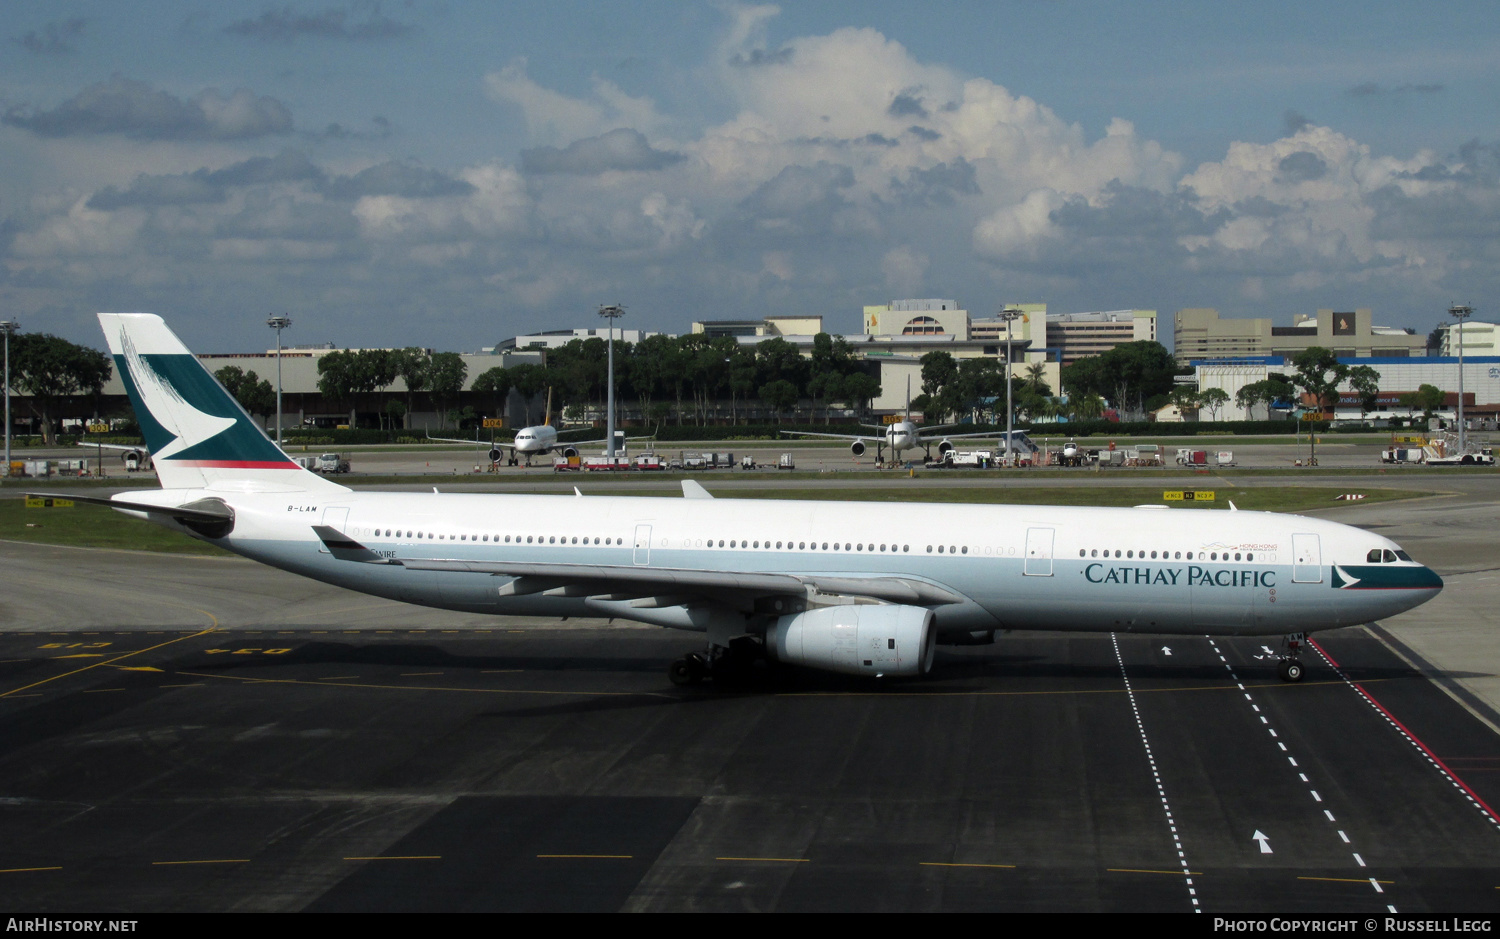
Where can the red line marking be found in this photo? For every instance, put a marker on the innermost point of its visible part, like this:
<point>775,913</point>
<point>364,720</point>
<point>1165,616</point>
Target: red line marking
<point>1410,736</point>
<point>238,464</point>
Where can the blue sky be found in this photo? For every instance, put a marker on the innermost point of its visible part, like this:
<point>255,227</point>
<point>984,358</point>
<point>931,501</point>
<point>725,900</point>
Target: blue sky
<point>449,174</point>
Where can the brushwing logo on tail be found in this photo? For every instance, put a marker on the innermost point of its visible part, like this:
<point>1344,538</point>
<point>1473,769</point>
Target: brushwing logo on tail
<point>177,417</point>
<point>173,390</point>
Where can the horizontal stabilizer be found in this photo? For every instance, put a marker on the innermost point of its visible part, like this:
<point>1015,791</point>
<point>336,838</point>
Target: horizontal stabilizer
<point>345,548</point>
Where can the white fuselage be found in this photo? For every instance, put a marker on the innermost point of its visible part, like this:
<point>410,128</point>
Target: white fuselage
<point>534,441</point>
<point>1015,567</point>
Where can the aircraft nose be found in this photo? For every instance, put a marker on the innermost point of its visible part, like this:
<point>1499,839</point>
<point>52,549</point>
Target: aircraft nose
<point>1427,578</point>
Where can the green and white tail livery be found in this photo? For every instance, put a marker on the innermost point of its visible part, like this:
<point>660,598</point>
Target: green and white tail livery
<point>200,437</point>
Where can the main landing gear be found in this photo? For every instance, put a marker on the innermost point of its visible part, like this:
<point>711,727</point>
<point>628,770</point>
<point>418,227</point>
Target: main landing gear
<point>726,665</point>
<point>1288,666</point>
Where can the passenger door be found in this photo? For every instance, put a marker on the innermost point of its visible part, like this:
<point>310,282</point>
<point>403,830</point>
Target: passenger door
<point>1307,560</point>
<point>642,554</point>
<point>1039,552</point>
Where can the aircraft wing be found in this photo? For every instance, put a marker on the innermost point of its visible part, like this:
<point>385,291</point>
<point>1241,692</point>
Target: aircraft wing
<point>808,433</point>
<point>139,448</point>
<point>510,445</point>
<point>925,438</point>
<point>621,582</point>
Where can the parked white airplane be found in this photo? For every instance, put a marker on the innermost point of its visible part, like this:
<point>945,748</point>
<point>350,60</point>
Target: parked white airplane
<point>536,440</point>
<point>905,434</point>
<point>842,586</point>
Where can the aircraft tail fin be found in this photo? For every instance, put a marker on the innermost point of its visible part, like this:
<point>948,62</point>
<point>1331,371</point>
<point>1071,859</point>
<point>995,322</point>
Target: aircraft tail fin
<point>198,434</point>
<point>547,418</point>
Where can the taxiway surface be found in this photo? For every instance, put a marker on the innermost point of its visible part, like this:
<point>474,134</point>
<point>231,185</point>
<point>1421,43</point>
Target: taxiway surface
<point>208,734</point>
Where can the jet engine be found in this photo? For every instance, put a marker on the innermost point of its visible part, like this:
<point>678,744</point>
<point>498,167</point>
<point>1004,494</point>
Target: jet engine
<point>859,639</point>
<point>857,448</point>
<point>944,446</point>
<point>569,452</point>
<point>495,455</point>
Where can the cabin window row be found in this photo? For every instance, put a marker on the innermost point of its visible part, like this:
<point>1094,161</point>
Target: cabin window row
<point>811,545</point>
<point>1166,555</point>
<point>496,539</point>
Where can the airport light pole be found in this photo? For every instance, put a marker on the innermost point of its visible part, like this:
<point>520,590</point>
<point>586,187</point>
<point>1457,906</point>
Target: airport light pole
<point>610,313</point>
<point>1461,312</point>
<point>7,327</point>
<point>1009,315</point>
<point>278,323</point>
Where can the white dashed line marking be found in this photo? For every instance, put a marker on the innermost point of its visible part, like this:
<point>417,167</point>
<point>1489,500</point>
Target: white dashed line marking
<point>1292,760</point>
<point>1160,791</point>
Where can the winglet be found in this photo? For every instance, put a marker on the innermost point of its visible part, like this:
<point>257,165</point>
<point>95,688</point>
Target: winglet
<point>691,490</point>
<point>345,548</point>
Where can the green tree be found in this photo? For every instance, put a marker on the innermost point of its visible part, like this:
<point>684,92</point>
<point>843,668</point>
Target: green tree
<point>47,367</point>
<point>447,374</point>
<point>1088,406</point>
<point>860,388</point>
<point>253,393</point>
<point>778,396</point>
<point>494,382</point>
<point>1186,399</point>
<point>1429,398</point>
<point>1366,383</point>
<point>530,380</point>
<point>1319,374</point>
<point>1213,399</point>
<point>412,365</point>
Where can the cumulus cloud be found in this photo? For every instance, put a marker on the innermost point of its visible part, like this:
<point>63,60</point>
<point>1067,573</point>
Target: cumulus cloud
<point>840,166</point>
<point>396,178</point>
<point>135,109</point>
<point>620,149</point>
<point>364,23</point>
<point>206,186</point>
<point>552,117</point>
<point>53,39</point>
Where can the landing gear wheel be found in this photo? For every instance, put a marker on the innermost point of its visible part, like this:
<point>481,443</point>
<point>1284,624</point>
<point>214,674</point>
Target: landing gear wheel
<point>1290,670</point>
<point>687,670</point>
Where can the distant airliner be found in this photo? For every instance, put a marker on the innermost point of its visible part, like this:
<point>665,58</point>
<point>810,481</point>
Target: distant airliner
<point>859,588</point>
<point>905,434</point>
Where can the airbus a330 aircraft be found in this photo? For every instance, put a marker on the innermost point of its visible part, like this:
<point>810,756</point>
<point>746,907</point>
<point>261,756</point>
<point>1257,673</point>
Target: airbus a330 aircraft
<point>842,586</point>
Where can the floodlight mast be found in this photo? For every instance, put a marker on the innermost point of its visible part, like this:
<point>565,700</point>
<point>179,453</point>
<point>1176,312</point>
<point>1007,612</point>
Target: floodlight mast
<point>610,313</point>
<point>1010,314</point>
<point>278,323</point>
<point>7,327</point>
<point>1461,312</point>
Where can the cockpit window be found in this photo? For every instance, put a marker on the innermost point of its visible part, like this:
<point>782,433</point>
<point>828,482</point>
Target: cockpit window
<point>1403,555</point>
<point>1390,556</point>
<point>1373,557</point>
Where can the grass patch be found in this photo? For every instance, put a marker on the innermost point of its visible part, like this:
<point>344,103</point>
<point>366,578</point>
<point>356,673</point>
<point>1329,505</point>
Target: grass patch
<point>93,526</point>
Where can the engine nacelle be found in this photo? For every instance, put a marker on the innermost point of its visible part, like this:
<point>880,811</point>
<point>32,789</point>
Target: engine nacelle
<point>859,639</point>
<point>857,448</point>
<point>944,446</point>
<point>569,452</point>
<point>495,455</point>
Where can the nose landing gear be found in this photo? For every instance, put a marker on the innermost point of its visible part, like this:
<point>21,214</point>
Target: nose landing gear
<point>1289,666</point>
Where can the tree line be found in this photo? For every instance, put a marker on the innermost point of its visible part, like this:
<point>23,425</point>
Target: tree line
<point>691,377</point>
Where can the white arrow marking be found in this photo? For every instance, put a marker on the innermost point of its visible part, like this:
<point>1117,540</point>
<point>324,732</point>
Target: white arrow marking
<point>1267,650</point>
<point>1265,843</point>
<point>1165,651</point>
